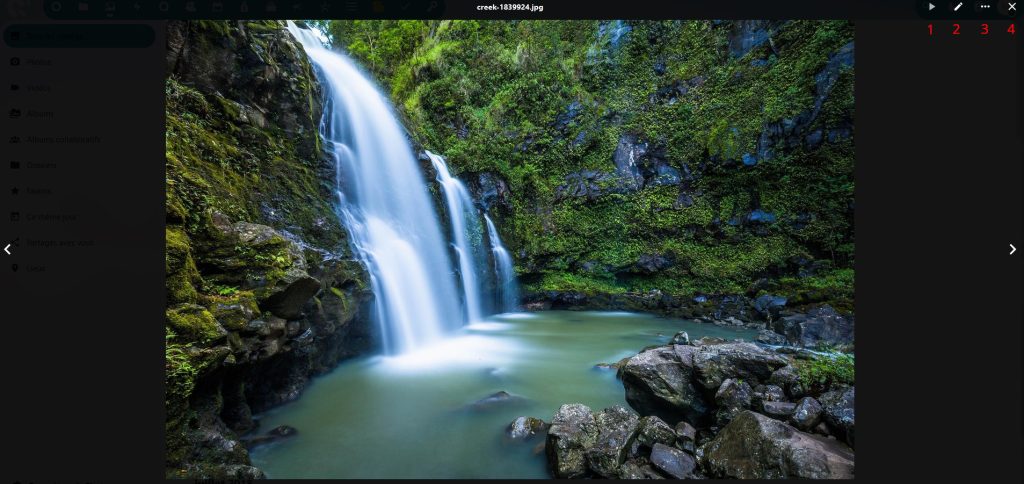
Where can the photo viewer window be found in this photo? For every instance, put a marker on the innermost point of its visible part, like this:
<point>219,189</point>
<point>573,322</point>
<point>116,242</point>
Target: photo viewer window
<point>447,239</point>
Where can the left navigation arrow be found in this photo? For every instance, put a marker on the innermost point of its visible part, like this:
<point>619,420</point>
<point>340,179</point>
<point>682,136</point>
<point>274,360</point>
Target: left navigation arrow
<point>8,249</point>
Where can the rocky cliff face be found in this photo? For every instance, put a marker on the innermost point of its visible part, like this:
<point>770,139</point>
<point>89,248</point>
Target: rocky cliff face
<point>262,292</point>
<point>683,167</point>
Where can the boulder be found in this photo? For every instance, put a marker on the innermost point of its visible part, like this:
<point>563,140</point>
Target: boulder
<point>732,397</point>
<point>767,393</point>
<point>778,410</point>
<point>672,461</point>
<point>653,430</point>
<point>747,361</point>
<point>616,431</point>
<point>822,325</point>
<point>523,428</point>
<point>770,338</point>
<point>769,306</point>
<point>680,338</point>
<point>788,379</point>
<point>753,446</point>
<point>807,414</point>
<point>686,436</point>
<point>661,381</point>
<point>573,430</point>
<point>838,412</point>
<point>635,469</point>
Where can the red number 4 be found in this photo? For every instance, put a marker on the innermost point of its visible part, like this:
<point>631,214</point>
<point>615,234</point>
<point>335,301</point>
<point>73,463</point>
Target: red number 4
<point>1012,30</point>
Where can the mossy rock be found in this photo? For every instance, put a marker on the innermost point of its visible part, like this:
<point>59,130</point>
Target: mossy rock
<point>194,323</point>
<point>182,277</point>
<point>234,311</point>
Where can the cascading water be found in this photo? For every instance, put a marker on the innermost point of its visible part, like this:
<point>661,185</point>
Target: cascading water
<point>384,204</point>
<point>466,230</point>
<point>505,275</point>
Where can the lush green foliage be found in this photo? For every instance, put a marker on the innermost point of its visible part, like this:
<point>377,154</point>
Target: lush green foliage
<point>497,96</point>
<point>820,374</point>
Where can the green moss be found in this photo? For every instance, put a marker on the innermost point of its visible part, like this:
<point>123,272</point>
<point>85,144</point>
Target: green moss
<point>823,372</point>
<point>216,163</point>
<point>194,323</point>
<point>488,94</point>
<point>180,268</point>
<point>233,311</point>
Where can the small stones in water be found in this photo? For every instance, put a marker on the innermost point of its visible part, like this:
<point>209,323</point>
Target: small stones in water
<point>494,400</point>
<point>523,428</point>
<point>273,435</point>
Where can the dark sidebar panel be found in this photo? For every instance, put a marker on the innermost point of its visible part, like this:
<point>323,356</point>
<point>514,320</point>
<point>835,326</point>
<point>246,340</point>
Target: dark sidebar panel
<point>939,177</point>
<point>81,225</point>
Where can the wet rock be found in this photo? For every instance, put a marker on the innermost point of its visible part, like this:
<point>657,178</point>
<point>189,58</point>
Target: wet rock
<point>572,111</point>
<point>769,337</point>
<point>788,379</point>
<point>746,35</point>
<point>634,469</point>
<point>746,361</point>
<point>653,430</point>
<point>653,263</point>
<point>616,430</point>
<point>275,434</point>
<point>709,340</point>
<point>686,436</point>
<point>496,399</point>
<point>767,393</point>
<point>822,325</point>
<point>807,414</point>
<point>523,428</point>
<point>627,157</point>
<point>573,430</point>
<point>681,338</point>
<point>778,410</point>
<point>661,381</point>
<point>753,446</point>
<point>769,306</point>
<point>732,397</point>
<point>672,461</point>
<point>839,412</point>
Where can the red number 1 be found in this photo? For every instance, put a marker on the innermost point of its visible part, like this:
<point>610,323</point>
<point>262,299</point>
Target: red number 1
<point>930,29</point>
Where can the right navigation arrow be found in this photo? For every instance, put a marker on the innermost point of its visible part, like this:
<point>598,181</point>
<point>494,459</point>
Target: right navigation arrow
<point>931,7</point>
<point>1012,249</point>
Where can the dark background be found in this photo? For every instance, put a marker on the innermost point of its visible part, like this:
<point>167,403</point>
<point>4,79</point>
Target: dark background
<point>939,153</point>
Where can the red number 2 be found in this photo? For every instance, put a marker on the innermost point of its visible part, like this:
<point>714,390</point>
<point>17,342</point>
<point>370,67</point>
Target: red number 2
<point>956,29</point>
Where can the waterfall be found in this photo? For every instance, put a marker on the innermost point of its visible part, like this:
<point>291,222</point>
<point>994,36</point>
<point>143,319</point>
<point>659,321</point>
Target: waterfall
<point>467,235</point>
<point>505,275</point>
<point>384,204</point>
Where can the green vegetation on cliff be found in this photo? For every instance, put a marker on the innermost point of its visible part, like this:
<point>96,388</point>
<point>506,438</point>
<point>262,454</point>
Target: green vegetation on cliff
<point>737,137</point>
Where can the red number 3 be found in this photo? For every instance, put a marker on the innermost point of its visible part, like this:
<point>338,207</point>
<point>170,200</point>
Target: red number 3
<point>984,29</point>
